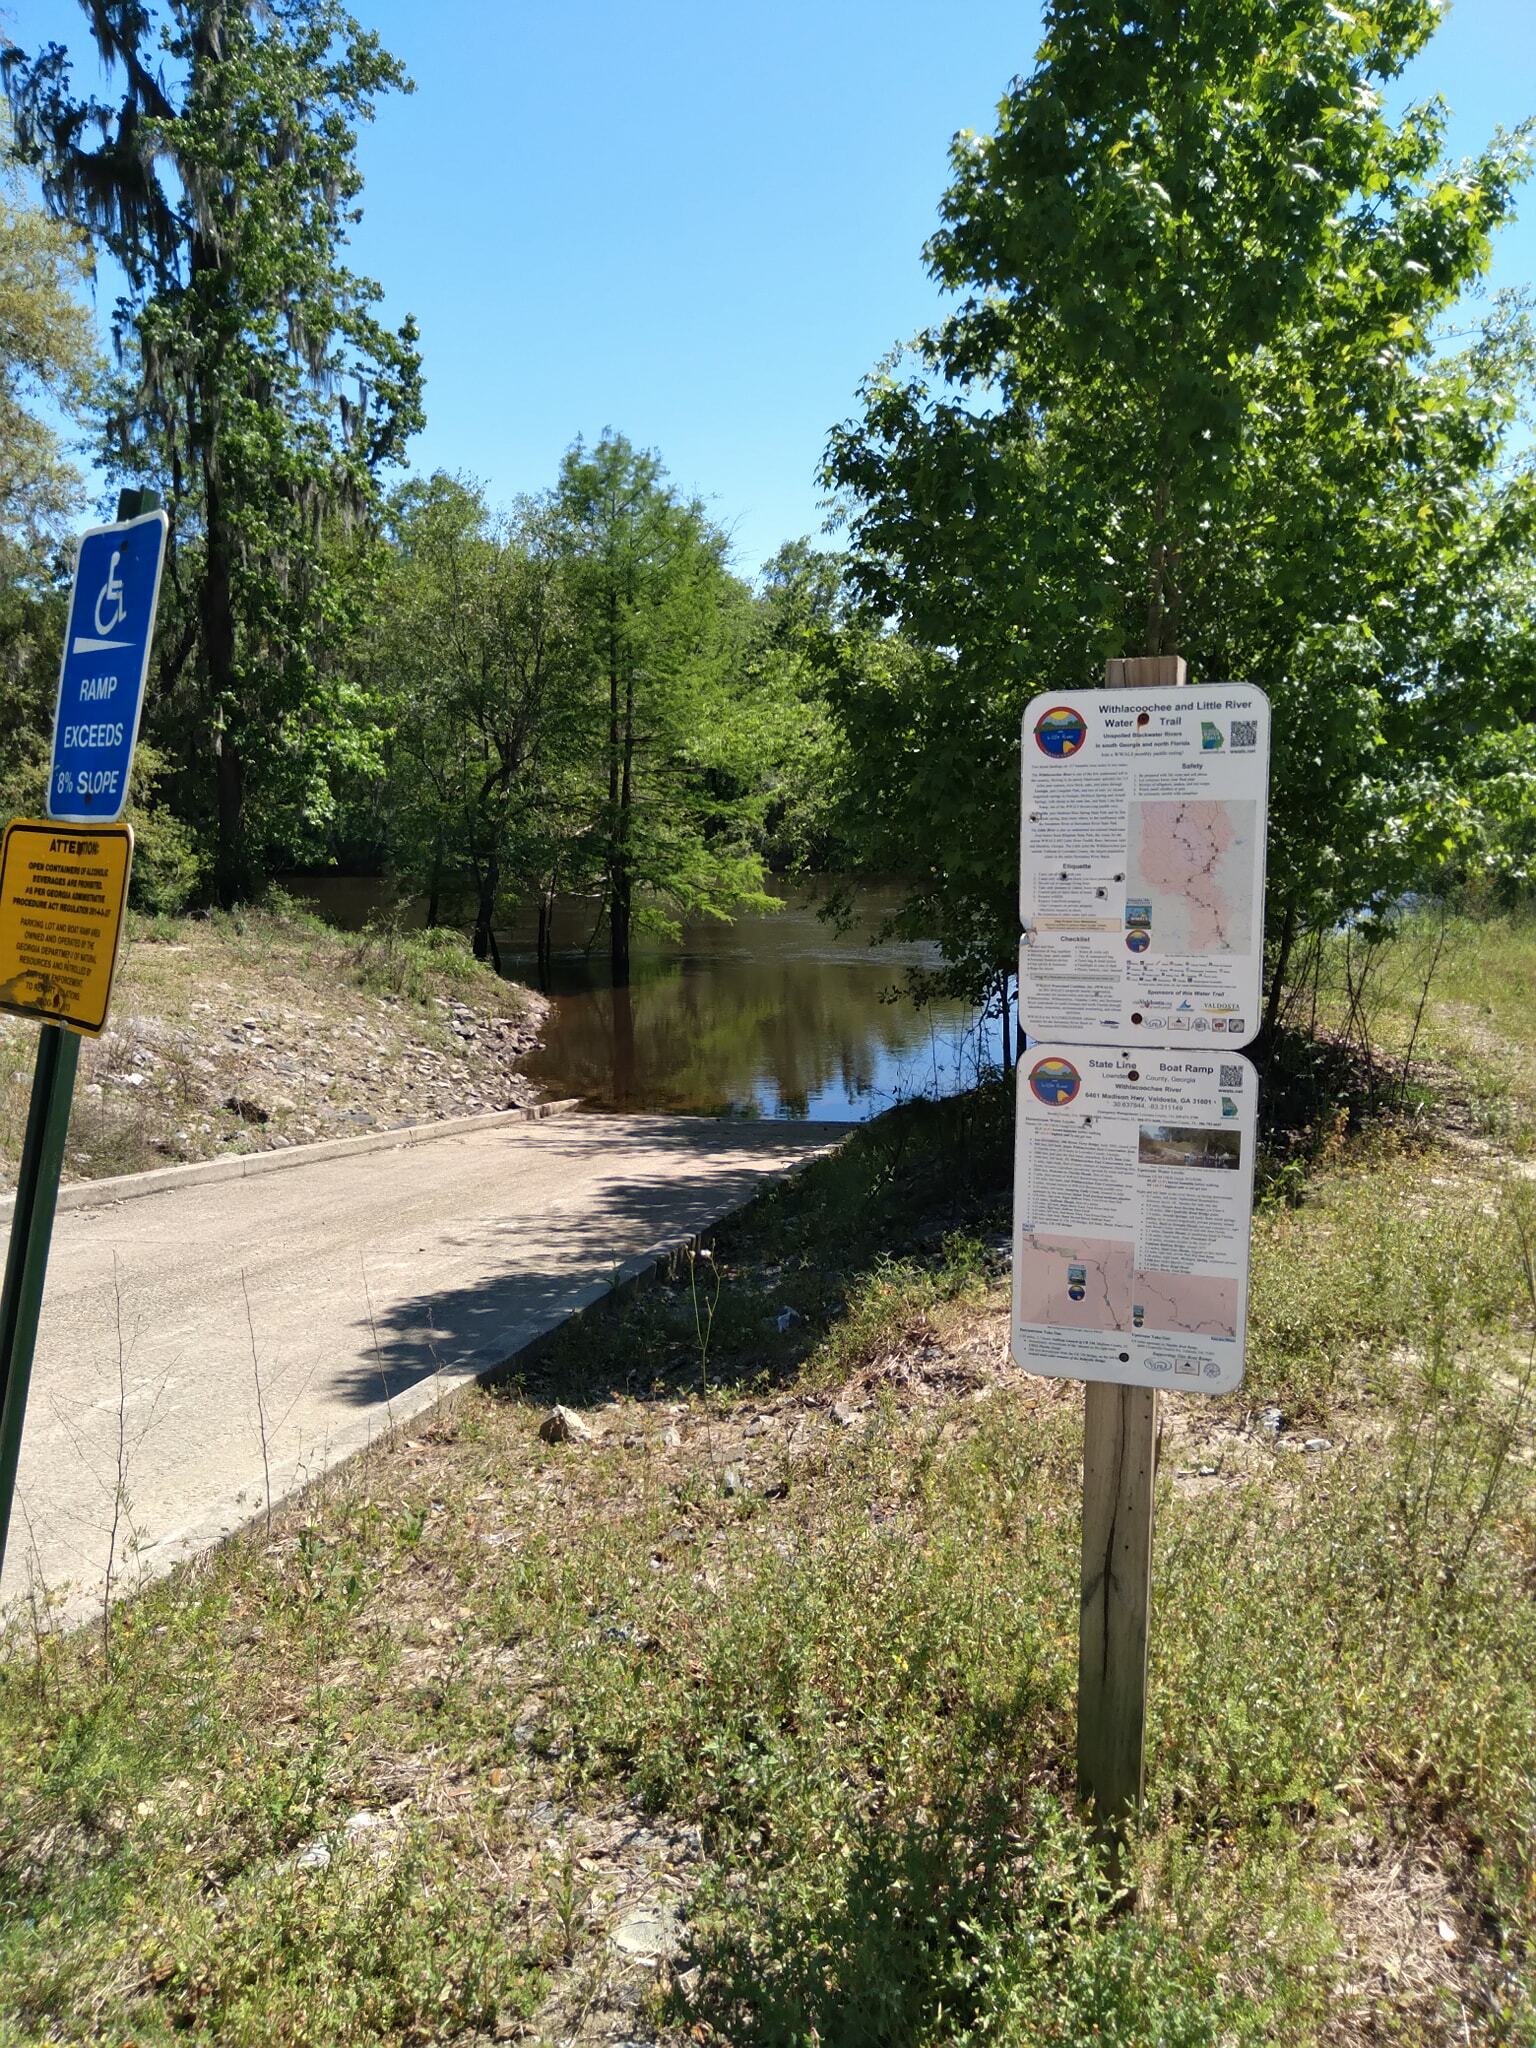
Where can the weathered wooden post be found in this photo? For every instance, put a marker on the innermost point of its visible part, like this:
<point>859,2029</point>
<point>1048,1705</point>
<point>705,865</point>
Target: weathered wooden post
<point>1120,1444</point>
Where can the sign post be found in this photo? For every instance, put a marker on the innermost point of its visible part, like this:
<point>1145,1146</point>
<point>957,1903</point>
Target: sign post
<point>1141,901</point>
<point>63,892</point>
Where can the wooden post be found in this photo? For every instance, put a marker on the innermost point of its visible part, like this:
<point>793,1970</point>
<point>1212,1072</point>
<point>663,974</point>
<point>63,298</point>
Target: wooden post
<point>1120,1440</point>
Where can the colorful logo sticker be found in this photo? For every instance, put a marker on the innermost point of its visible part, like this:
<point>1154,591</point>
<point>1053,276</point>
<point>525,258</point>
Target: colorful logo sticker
<point>1054,1081</point>
<point>1138,940</point>
<point>1060,731</point>
<point>1212,739</point>
<point>1228,1106</point>
<point>1138,910</point>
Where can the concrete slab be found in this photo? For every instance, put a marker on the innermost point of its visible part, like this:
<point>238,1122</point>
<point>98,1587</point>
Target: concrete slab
<point>326,1302</point>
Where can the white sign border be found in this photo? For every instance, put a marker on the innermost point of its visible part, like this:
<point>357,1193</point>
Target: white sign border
<point>1125,1372</point>
<point>1138,1036</point>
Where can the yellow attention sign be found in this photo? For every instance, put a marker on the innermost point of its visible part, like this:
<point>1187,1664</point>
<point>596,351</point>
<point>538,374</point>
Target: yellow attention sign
<point>63,890</point>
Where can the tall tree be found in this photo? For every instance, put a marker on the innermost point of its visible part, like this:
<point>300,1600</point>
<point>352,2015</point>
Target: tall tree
<point>1195,394</point>
<point>483,680</point>
<point>48,362</point>
<point>48,357</point>
<point>667,627</point>
<point>258,385</point>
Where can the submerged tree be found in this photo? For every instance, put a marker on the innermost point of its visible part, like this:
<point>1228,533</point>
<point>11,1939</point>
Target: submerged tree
<point>666,629</point>
<point>258,387</point>
<point>1195,396</point>
<point>483,679</point>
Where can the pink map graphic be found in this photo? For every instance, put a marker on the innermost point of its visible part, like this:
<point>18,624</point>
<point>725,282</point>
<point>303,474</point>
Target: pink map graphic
<point>1051,1264</point>
<point>1193,860</point>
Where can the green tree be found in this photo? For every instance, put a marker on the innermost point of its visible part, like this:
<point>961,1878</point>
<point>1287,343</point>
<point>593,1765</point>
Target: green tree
<point>1195,394</point>
<point>258,388</point>
<point>667,629</point>
<point>48,357</point>
<point>802,636</point>
<point>484,672</point>
<point>48,362</point>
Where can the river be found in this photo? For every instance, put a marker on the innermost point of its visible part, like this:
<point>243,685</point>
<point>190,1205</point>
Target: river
<point>771,1016</point>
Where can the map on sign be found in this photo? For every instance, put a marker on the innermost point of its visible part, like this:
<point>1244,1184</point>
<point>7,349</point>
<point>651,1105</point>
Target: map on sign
<point>106,658</point>
<point>1141,889</point>
<point>1132,1201</point>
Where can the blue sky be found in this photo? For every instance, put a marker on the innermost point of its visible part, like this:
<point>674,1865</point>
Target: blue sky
<point>702,222</point>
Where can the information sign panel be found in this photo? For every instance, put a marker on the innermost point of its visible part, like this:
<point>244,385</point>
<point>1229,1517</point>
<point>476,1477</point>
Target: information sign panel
<point>62,897</point>
<point>1141,889</point>
<point>1133,1195</point>
<point>106,659</point>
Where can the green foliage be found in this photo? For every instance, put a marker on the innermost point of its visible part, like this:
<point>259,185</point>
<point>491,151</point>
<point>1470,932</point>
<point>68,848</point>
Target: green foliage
<point>681,740</point>
<point>242,339</point>
<point>1196,394</point>
<point>47,353</point>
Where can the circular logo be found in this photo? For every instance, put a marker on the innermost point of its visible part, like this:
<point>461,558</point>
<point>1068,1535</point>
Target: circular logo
<point>1138,941</point>
<point>1060,731</point>
<point>1054,1081</point>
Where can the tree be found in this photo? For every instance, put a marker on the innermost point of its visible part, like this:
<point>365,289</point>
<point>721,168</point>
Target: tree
<point>802,636</point>
<point>485,680</point>
<point>257,385</point>
<point>1195,395</point>
<point>666,629</point>
<point>47,356</point>
<point>48,360</point>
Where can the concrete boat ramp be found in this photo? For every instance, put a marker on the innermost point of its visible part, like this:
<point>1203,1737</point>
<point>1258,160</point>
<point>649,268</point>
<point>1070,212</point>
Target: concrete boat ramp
<point>318,1305</point>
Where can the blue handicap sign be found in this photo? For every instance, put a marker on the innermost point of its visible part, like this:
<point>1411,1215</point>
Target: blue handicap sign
<point>106,659</point>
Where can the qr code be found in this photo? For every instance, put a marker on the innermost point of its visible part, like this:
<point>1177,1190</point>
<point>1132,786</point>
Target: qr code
<point>1245,732</point>
<point>1231,1077</point>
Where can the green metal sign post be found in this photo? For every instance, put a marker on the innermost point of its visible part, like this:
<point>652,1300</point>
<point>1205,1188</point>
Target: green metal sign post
<point>37,1192</point>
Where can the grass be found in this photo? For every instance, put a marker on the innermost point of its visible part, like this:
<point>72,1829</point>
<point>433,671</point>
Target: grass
<point>791,1645</point>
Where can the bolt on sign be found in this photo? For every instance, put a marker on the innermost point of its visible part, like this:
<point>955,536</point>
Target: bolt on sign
<point>1133,1193</point>
<point>1141,873</point>
<point>63,892</point>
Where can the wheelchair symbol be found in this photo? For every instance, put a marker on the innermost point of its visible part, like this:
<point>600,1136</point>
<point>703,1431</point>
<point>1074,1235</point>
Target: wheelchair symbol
<point>111,592</point>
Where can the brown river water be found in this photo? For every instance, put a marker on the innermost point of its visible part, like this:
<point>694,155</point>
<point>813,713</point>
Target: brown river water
<point>770,1016</point>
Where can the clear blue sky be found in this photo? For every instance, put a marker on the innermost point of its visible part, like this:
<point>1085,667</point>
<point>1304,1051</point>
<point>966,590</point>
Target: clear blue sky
<point>702,222</point>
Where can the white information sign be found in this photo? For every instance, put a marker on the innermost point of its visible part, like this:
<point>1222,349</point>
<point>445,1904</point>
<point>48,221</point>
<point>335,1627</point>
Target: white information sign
<point>1133,1195</point>
<point>1141,888</point>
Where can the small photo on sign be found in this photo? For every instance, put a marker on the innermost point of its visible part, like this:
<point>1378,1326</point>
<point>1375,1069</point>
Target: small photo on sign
<point>1176,1145</point>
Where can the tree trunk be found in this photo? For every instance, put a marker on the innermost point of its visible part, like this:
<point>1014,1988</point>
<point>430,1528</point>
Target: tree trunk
<point>231,873</point>
<point>434,885</point>
<point>623,1048</point>
<point>1277,977</point>
<point>546,915</point>
<point>484,940</point>
<point>619,908</point>
<point>620,745</point>
<point>216,618</point>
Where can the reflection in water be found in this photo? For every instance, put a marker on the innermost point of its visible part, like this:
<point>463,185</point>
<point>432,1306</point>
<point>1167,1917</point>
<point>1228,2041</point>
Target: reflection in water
<point>769,1016</point>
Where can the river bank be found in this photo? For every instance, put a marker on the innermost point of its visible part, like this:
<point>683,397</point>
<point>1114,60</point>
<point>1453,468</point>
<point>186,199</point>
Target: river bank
<point>262,1029</point>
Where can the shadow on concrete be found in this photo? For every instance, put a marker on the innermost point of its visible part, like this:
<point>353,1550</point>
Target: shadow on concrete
<point>540,1270</point>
